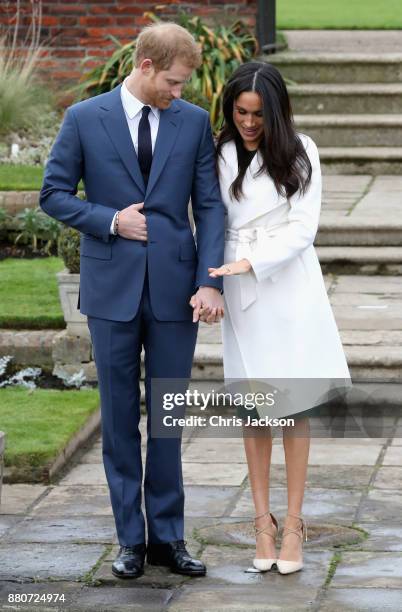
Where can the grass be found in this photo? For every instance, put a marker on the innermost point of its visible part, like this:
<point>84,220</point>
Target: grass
<point>17,177</point>
<point>39,424</point>
<point>29,296</point>
<point>20,178</point>
<point>342,14</point>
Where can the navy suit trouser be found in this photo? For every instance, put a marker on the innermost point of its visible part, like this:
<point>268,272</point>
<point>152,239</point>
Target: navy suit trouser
<point>169,350</point>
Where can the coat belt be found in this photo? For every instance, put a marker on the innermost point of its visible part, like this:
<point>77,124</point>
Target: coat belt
<point>247,240</point>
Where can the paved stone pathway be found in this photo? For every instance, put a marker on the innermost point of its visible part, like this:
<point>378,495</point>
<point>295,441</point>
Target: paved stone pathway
<point>61,538</point>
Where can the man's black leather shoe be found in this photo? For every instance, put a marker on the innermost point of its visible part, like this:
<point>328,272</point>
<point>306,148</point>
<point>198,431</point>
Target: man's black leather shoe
<point>175,556</point>
<point>129,563</point>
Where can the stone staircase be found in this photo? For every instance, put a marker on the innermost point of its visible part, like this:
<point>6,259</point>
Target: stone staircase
<point>351,105</point>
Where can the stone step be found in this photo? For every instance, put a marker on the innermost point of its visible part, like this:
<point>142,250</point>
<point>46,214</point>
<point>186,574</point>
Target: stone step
<point>361,259</point>
<point>352,130</point>
<point>379,363</point>
<point>338,67</point>
<point>361,231</point>
<point>372,161</point>
<point>326,98</point>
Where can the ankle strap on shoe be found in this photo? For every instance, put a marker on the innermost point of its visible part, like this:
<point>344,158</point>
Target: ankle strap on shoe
<point>274,522</point>
<point>303,527</point>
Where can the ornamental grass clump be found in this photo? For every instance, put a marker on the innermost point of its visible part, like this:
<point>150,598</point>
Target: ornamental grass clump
<point>23,99</point>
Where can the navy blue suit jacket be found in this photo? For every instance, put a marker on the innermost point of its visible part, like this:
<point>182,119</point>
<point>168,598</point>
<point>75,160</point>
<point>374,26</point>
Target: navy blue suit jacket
<point>94,144</point>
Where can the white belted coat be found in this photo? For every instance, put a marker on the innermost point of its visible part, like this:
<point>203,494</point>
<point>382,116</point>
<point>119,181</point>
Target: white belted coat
<point>278,321</point>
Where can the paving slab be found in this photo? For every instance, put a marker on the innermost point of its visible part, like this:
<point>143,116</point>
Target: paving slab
<point>6,523</point>
<point>224,450</point>
<point>59,529</point>
<point>381,537</point>
<point>388,477</point>
<point>133,597</point>
<point>85,474</point>
<point>335,454</point>
<point>368,599</point>
<point>345,183</point>
<point>54,561</point>
<point>334,477</point>
<point>70,591</point>
<point>369,569</point>
<point>393,456</point>
<point>381,505</point>
<point>75,500</point>
<point>16,499</point>
<point>93,456</point>
<point>379,202</point>
<point>368,284</point>
<point>228,587</point>
<point>207,500</point>
<point>378,337</point>
<point>223,474</point>
<point>386,183</point>
<point>329,505</point>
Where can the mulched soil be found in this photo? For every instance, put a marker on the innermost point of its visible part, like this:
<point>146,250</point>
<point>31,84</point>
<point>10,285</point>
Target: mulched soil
<point>22,251</point>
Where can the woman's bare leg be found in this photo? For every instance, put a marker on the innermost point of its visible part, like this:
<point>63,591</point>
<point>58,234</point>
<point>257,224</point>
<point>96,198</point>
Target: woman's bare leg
<point>258,450</point>
<point>296,442</point>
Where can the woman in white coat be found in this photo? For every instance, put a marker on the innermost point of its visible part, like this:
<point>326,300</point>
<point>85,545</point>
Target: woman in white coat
<point>278,322</point>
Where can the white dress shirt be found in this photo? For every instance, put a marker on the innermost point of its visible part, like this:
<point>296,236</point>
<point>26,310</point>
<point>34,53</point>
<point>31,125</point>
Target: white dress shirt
<point>133,110</point>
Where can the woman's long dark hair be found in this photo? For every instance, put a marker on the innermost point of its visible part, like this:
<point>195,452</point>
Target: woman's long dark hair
<point>283,154</point>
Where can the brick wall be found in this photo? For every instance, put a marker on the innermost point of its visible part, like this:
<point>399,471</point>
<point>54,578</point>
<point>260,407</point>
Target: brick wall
<point>75,30</point>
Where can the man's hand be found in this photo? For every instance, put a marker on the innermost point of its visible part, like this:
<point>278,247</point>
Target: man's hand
<point>236,267</point>
<point>208,305</point>
<point>132,223</point>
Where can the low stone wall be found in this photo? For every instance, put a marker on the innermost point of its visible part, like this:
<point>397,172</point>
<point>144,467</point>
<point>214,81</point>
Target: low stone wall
<point>15,201</point>
<point>28,347</point>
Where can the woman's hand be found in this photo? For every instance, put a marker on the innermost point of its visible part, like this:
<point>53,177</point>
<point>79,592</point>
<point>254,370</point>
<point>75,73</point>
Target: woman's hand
<point>236,267</point>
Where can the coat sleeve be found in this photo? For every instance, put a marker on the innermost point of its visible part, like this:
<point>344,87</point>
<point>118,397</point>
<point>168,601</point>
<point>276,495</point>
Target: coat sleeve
<point>208,211</point>
<point>63,172</point>
<point>272,253</point>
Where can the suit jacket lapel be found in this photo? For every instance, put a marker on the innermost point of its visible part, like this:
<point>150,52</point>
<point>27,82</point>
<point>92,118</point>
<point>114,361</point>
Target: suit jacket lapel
<point>169,124</point>
<point>115,123</point>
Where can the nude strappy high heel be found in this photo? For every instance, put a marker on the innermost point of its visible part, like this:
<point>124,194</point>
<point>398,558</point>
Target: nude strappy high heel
<point>288,567</point>
<point>263,565</point>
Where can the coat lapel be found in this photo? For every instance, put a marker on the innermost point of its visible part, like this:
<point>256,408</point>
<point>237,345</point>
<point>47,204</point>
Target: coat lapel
<point>169,125</point>
<point>115,123</point>
<point>259,193</point>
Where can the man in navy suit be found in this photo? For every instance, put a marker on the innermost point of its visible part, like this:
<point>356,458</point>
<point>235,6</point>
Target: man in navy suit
<point>142,153</point>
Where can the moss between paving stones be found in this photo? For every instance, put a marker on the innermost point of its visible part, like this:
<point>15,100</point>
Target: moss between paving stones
<point>39,425</point>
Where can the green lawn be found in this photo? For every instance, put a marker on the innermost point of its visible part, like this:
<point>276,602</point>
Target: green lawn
<point>39,424</point>
<point>16,177</point>
<point>28,293</point>
<point>339,14</point>
<point>20,178</point>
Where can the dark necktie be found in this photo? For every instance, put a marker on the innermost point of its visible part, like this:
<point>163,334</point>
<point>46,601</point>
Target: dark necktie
<point>145,144</point>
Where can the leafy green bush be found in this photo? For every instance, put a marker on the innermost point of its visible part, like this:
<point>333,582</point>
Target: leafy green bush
<point>223,50</point>
<point>69,248</point>
<point>37,229</point>
<point>4,221</point>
